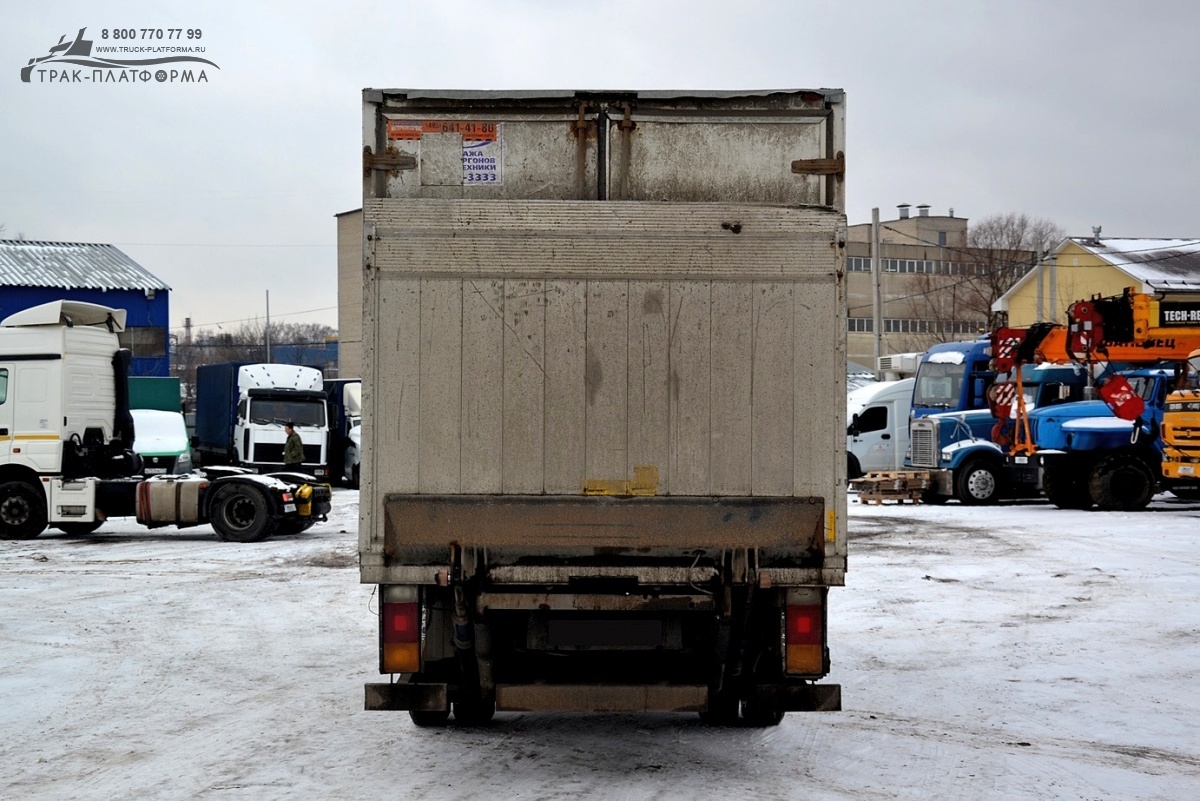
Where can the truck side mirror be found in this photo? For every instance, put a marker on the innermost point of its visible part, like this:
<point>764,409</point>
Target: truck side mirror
<point>194,441</point>
<point>852,429</point>
<point>978,393</point>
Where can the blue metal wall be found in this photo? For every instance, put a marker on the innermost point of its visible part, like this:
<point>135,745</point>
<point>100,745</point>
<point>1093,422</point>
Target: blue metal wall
<point>322,355</point>
<point>140,312</point>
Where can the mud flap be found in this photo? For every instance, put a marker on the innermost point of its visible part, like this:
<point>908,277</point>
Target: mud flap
<point>406,697</point>
<point>800,697</point>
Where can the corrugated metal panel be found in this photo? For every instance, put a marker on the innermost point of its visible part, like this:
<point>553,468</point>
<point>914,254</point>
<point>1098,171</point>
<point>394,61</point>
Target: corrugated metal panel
<point>782,147</point>
<point>526,347</point>
<point>564,287</point>
<point>1161,264</point>
<point>567,240</point>
<point>71,265</point>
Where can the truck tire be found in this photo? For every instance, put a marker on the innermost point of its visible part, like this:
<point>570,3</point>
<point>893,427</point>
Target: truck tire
<point>78,529</point>
<point>424,719</point>
<point>288,528</point>
<point>22,511</point>
<point>475,712</point>
<point>853,469</point>
<point>722,710</point>
<point>978,482</point>
<point>760,715</point>
<point>241,513</point>
<point>1121,482</point>
<point>933,498</point>
<point>1066,490</point>
<point>1186,492</point>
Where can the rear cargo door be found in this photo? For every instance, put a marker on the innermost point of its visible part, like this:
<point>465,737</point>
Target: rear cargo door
<point>788,150</point>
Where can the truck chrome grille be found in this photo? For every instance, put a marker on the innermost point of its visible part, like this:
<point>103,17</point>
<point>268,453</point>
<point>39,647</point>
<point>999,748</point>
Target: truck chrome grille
<point>924,443</point>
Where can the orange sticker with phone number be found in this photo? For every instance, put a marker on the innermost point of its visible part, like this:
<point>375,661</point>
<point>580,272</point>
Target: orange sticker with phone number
<point>472,131</point>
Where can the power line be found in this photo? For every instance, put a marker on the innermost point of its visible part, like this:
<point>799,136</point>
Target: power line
<point>248,319</point>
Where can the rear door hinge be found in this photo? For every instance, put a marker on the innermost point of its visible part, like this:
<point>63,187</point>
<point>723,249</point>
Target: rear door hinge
<point>391,160</point>
<point>835,166</point>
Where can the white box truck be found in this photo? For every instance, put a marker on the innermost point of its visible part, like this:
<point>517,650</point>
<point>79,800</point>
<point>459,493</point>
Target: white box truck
<point>603,459</point>
<point>242,408</point>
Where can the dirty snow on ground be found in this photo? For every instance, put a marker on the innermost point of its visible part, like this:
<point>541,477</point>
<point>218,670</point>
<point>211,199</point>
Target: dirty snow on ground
<point>1018,651</point>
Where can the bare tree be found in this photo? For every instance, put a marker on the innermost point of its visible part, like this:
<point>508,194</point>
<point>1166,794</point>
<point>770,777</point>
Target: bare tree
<point>955,301</point>
<point>291,343</point>
<point>1005,247</point>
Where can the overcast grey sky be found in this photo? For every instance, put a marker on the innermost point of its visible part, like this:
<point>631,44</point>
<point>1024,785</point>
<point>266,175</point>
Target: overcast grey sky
<point>1080,112</point>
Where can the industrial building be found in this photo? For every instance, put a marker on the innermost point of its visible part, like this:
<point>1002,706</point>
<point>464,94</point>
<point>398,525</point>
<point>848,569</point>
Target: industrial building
<point>36,272</point>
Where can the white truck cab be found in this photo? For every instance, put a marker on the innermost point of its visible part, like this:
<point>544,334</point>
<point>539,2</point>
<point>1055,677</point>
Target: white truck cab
<point>877,434</point>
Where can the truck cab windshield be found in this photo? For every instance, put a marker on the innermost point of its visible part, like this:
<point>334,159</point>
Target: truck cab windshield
<point>938,385</point>
<point>264,411</point>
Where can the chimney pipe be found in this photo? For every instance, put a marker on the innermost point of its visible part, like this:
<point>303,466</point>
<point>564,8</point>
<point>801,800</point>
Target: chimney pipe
<point>1096,235</point>
<point>923,210</point>
<point>903,210</point>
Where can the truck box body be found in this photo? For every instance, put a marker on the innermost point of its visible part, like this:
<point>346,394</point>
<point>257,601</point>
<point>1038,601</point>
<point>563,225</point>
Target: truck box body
<point>216,405</point>
<point>639,298</point>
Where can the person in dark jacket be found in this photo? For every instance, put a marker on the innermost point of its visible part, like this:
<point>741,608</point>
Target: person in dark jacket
<point>293,449</point>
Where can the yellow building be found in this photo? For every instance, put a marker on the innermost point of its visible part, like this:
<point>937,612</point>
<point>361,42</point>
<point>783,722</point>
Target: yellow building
<point>1083,267</point>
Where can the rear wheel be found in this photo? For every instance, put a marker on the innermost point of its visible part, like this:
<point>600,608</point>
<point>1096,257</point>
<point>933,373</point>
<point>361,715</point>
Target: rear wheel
<point>241,513</point>
<point>474,712</point>
<point>760,714</point>
<point>722,710</point>
<point>1121,482</point>
<point>978,482</point>
<point>1066,490</point>
<point>427,720</point>
<point>22,511</point>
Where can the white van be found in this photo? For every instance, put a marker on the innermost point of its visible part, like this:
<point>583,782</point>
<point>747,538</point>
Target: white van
<point>161,439</point>
<point>877,437</point>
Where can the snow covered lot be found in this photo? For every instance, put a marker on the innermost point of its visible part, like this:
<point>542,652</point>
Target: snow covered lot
<point>1011,652</point>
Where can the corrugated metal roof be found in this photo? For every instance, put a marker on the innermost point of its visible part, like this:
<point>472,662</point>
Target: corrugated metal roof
<point>71,265</point>
<point>1161,264</point>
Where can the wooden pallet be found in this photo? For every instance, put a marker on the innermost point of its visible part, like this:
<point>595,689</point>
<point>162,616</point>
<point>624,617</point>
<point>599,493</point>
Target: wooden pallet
<point>878,498</point>
<point>880,486</point>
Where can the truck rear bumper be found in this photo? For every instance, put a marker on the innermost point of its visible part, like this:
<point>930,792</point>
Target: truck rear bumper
<point>602,698</point>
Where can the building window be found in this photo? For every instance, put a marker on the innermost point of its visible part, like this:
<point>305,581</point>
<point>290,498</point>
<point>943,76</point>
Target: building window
<point>861,325</point>
<point>144,342</point>
<point>941,239</point>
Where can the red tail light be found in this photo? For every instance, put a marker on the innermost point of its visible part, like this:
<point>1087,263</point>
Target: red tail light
<point>400,623</point>
<point>804,625</point>
<point>805,639</point>
<point>401,638</point>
